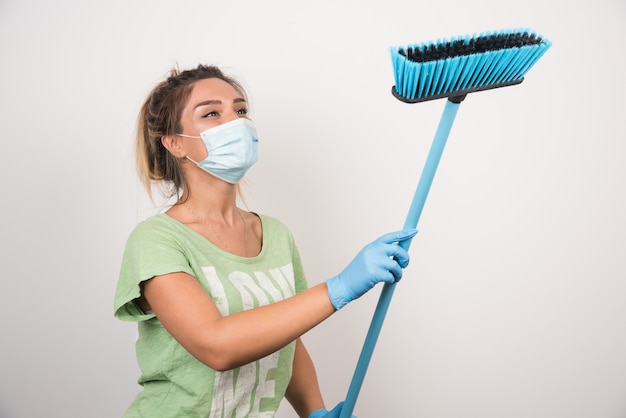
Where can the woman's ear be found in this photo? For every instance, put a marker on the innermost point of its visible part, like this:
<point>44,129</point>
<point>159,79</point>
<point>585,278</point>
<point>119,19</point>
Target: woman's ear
<point>172,143</point>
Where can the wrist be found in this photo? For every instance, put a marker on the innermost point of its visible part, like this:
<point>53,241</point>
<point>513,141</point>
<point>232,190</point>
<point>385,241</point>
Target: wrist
<point>337,292</point>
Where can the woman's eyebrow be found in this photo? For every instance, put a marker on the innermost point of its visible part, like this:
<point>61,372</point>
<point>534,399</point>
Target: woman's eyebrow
<point>208,102</point>
<point>218,102</point>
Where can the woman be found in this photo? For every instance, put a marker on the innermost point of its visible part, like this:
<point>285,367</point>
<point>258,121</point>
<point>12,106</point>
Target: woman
<point>219,293</point>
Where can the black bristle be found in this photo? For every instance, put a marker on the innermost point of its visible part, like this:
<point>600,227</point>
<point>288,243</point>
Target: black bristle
<point>477,45</point>
<point>410,54</point>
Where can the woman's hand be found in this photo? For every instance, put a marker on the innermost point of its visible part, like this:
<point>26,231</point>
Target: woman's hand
<point>379,261</point>
<point>323,413</point>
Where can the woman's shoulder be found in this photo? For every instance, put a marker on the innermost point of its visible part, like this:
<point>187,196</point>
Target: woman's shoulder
<point>159,224</point>
<point>154,221</point>
<point>272,223</point>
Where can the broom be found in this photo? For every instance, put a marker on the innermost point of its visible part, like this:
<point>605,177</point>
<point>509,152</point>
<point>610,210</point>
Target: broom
<point>449,68</point>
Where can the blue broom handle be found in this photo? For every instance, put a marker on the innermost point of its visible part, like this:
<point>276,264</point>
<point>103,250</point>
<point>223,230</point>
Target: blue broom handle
<point>415,211</point>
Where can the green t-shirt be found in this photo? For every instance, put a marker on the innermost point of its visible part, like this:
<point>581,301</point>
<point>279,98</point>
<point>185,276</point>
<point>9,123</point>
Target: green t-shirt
<point>176,384</point>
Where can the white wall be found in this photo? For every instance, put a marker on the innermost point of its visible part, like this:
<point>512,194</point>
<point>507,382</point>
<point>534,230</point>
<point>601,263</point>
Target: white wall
<point>514,305</point>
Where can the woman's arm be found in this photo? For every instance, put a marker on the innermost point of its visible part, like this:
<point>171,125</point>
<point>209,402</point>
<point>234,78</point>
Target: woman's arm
<point>303,392</point>
<point>188,313</point>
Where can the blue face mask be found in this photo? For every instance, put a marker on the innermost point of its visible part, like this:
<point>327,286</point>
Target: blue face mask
<point>232,148</point>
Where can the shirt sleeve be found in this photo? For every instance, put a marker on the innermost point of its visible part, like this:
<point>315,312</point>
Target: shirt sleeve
<point>151,250</point>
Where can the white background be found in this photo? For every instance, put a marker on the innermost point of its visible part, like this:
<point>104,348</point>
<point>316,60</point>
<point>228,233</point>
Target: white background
<point>515,302</point>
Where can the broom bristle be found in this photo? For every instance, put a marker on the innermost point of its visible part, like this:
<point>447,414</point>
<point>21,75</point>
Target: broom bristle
<point>458,66</point>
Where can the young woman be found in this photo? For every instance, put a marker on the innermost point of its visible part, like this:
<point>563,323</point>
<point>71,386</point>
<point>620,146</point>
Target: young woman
<point>218,293</point>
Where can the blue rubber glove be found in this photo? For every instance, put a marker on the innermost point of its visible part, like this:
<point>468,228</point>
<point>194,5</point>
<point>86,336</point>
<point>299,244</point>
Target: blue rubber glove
<point>323,413</point>
<point>379,261</point>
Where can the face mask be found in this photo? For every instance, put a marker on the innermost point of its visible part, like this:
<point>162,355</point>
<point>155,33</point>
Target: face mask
<point>232,149</point>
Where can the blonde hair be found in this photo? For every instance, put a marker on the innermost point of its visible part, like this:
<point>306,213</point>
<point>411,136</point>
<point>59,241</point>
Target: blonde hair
<point>160,116</point>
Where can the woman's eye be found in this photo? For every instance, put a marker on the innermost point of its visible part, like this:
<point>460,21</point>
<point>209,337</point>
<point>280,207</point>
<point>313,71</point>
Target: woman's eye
<point>210,114</point>
<point>243,111</point>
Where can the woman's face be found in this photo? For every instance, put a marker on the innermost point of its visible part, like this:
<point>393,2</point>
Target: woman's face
<point>212,102</point>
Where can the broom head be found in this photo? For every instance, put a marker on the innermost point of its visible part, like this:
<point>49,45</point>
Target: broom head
<point>454,67</point>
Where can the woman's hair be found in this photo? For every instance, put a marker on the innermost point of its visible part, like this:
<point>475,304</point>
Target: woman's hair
<point>160,115</point>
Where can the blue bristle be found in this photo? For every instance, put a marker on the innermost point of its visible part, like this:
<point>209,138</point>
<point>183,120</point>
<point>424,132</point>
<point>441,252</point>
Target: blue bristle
<point>455,66</point>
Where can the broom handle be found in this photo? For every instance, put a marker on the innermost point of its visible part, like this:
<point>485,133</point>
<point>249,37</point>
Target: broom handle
<point>426,179</point>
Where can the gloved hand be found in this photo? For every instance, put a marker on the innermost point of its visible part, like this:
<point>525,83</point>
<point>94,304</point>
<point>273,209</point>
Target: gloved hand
<point>323,413</point>
<point>379,261</point>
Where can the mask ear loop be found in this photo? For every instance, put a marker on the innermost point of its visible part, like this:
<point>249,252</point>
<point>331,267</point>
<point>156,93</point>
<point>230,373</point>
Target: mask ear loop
<point>192,137</point>
<point>195,162</point>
